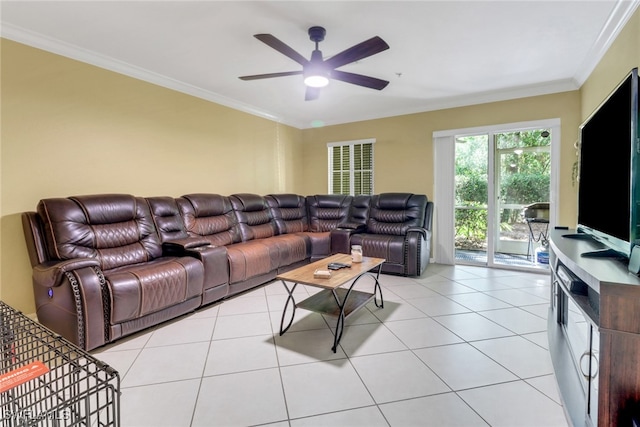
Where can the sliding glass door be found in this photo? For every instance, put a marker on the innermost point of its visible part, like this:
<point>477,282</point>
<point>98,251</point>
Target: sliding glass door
<point>522,179</point>
<point>502,197</point>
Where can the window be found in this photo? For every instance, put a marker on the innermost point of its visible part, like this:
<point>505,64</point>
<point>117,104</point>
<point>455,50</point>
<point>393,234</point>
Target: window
<point>351,167</point>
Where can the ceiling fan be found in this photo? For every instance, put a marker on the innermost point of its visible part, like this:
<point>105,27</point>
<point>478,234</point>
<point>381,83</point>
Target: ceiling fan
<point>318,71</point>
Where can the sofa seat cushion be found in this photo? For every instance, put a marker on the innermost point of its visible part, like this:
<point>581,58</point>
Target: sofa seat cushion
<point>320,243</point>
<point>251,259</point>
<point>389,247</point>
<point>292,248</point>
<point>141,289</point>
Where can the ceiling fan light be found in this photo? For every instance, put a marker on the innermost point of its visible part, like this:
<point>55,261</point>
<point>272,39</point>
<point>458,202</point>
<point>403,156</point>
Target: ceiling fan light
<point>316,80</point>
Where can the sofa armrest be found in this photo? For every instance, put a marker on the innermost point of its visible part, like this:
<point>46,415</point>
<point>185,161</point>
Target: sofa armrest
<point>418,244</point>
<point>341,238</point>
<point>352,226</point>
<point>215,261</point>
<point>72,298</point>
<point>180,245</point>
<point>50,274</point>
<point>214,258</point>
<point>425,233</point>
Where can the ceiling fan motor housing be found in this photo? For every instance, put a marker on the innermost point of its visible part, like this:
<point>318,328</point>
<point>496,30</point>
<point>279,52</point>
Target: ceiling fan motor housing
<point>316,34</point>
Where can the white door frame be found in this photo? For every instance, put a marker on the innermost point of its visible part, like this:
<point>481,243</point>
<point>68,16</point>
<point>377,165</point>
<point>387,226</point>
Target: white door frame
<point>444,177</point>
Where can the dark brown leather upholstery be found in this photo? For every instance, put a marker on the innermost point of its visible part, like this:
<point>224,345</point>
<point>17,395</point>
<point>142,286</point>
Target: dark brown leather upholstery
<point>290,214</point>
<point>359,212</point>
<point>106,266</point>
<point>176,240</point>
<point>257,225</point>
<point>326,213</point>
<point>355,222</point>
<point>243,224</point>
<point>212,217</point>
<point>125,276</point>
<point>396,232</point>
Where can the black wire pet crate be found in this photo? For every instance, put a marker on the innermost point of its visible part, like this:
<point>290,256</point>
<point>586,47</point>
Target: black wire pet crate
<point>47,381</point>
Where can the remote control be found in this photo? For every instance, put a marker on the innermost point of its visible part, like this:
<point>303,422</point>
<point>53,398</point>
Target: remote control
<point>337,266</point>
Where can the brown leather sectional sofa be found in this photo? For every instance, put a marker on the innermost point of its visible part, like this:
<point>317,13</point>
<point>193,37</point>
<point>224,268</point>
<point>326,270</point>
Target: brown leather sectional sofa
<point>106,266</point>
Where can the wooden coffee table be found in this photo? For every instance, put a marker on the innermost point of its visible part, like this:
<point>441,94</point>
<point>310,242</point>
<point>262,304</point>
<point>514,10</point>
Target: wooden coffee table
<point>333,300</point>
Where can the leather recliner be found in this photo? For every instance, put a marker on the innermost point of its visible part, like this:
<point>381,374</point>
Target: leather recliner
<point>212,217</point>
<point>102,273</point>
<point>312,217</point>
<point>257,224</point>
<point>398,229</point>
<point>176,241</point>
<point>243,224</point>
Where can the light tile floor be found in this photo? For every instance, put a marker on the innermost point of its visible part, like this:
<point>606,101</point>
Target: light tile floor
<point>458,346</point>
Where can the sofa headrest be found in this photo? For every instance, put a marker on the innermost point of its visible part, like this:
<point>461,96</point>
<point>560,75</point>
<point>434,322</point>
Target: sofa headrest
<point>107,208</point>
<point>247,202</point>
<point>393,200</point>
<point>285,200</point>
<point>167,218</point>
<point>163,206</point>
<point>359,210</point>
<point>330,200</point>
<point>205,205</point>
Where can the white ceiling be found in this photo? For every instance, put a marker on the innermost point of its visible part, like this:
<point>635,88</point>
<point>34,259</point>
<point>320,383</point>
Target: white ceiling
<point>442,53</point>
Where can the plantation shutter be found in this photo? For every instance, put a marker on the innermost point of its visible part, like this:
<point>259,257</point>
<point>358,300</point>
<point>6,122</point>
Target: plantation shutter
<point>351,167</point>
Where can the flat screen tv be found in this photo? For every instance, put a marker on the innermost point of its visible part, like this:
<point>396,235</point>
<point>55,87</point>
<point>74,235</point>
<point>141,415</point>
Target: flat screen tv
<point>608,187</point>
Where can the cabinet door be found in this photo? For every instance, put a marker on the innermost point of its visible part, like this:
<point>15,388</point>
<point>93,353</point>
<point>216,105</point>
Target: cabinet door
<point>619,378</point>
<point>578,331</point>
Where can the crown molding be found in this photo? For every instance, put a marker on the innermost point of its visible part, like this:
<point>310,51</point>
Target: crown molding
<point>467,100</point>
<point>618,18</point>
<point>39,41</point>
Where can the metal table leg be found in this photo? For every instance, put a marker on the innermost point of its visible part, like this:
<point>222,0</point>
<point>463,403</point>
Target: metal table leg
<point>341,317</point>
<point>377,289</point>
<point>284,311</point>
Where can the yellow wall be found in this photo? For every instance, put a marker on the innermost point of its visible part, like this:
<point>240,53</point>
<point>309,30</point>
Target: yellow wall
<point>403,153</point>
<point>70,128</point>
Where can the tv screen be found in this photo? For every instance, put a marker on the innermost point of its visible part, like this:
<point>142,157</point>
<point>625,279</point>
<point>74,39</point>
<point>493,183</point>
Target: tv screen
<point>607,193</point>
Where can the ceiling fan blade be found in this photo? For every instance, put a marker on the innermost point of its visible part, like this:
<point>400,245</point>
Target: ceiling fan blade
<point>359,79</point>
<point>360,51</point>
<point>270,75</point>
<point>281,47</point>
<point>312,93</point>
